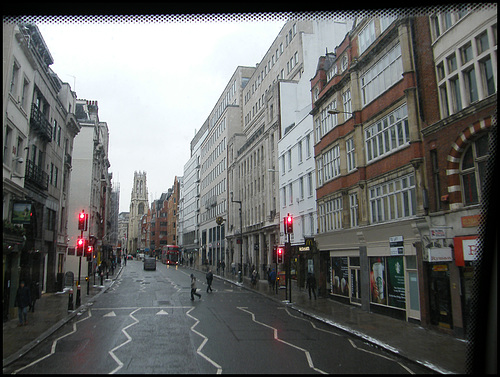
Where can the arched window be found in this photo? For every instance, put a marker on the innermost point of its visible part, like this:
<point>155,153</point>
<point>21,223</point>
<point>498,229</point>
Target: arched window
<point>473,170</point>
<point>140,209</point>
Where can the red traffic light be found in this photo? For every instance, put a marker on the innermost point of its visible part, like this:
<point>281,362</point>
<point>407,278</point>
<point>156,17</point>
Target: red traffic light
<point>81,220</point>
<point>289,224</point>
<point>280,254</point>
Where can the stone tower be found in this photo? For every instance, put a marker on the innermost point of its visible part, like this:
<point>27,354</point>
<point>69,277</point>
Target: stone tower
<point>138,207</point>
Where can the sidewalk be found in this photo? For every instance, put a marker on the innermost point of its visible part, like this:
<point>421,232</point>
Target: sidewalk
<point>51,312</point>
<point>439,352</point>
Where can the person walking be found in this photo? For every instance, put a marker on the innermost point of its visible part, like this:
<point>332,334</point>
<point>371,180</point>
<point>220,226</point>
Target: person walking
<point>22,301</point>
<point>311,284</point>
<point>193,288</point>
<point>272,278</point>
<point>35,295</point>
<point>210,278</point>
<point>254,278</point>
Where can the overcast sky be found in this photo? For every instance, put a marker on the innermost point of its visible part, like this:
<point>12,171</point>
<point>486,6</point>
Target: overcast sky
<point>155,85</point>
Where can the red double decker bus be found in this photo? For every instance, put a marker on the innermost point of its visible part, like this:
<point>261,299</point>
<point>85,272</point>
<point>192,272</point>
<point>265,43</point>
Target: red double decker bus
<point>170,255</point>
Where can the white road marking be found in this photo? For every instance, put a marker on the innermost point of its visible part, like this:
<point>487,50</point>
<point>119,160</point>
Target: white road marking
<point>275,332</point>
<point>110,314</point>
<point>54,344</point>
<point>129,339</point>
<point>351,342</point>
<point>162,312</point>
<point>205,340</point>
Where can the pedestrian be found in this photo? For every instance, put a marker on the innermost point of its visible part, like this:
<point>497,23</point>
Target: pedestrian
<point>193,288</point>
<point>311,284</point>
<point>35,294</point>
<point>210,278</point>
<point>254,278</point>
<point>223,266</point>
<point>272,278</point>
<point>22,301</point>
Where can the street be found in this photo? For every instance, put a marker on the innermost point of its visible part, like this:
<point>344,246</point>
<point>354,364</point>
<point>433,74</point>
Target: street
<point>147,323</point>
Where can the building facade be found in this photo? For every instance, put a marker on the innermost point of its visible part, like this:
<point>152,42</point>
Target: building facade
<point>296,164</point>
<point>369,167</point>
<point>189,200</point>
<point>224,121</point>
<point>457,138</point>
<point>90,189</point>
<point>38,131</point>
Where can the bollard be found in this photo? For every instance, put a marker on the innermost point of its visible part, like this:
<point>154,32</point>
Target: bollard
<point>70,300</point>
<point>102,276</point>
<point>78,296</point>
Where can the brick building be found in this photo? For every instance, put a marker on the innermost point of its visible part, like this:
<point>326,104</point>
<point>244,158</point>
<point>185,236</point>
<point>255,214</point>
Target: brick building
<point>369,166</point>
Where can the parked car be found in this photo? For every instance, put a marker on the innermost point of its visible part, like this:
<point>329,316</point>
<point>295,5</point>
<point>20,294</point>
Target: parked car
<point>149,263</point>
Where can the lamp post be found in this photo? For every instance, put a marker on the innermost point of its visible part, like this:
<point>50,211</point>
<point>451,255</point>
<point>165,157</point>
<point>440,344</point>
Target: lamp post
<point>240,278</point>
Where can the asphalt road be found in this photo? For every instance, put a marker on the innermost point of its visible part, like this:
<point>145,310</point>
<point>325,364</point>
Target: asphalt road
<point>147,323</point>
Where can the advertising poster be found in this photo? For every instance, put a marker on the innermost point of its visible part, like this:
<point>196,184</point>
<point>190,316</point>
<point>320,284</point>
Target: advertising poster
<point>377,280</point>
<point>396,282</point>
<point>340,277</point>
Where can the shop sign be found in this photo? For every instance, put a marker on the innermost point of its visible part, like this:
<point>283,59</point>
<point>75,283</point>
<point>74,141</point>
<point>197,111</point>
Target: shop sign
<point>21,212</point>
<point>465,249</point>
<point>437,234</point>
<point>470,221</point>
<point>438,254</point>
<point>304,248</point>
<point>396,245</point>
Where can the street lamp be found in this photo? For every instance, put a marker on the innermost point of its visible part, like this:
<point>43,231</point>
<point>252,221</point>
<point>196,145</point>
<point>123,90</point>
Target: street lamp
<point>335,112</point>
<point>241,238</point>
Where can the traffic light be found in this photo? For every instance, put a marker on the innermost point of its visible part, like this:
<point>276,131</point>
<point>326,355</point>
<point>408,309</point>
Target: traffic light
<point>80,246</point>
<point>89,251</point>
<point>289,224</point>
<point>280,254</point>
<point>82,221</point>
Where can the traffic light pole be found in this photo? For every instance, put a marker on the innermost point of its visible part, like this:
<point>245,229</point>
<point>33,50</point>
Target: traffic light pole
<point>78,294</point>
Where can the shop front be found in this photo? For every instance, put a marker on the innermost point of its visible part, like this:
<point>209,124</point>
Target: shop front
<point>381,274</point>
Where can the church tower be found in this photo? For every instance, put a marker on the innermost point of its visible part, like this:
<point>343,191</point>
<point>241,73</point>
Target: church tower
<point>138,207</point>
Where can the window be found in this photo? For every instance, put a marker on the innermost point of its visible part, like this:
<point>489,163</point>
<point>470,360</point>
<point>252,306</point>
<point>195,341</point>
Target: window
<point>388,134</point>
<point>471,85</point>
<point>473,170</point>
<point>330,215</point>
<point>14,79</point>
<point>381,75</point>
<point>310,184</point>
<point>331,164</point>
<point>393,200</point>
<point>366,37</point>
<point>289,156</point>
<point>6,146</point>
<point>353,209</point>
<point>346,101</point>
<point>299,151</point>
<point>290,192</point>
<point>351,159</point>
<point>301,187</point>
<point>435,176</point>
<point>468,74</point>
<point>487,79</point>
